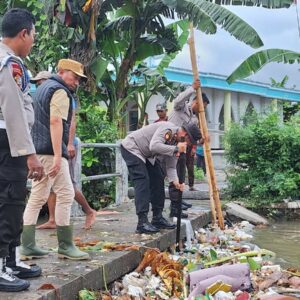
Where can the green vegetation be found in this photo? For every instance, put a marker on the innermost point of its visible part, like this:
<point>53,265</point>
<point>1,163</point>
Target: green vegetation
<point>264,155</point>
<point>93,127</point>
<point>199,174</point>
<point>112,39</point>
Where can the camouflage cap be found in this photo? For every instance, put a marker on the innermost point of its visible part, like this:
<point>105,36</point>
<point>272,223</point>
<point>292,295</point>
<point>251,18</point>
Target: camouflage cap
<point>161,106</point>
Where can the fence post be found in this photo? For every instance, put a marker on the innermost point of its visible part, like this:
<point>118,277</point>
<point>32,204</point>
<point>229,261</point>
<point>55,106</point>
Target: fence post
<point>76,209</point>
<point>121,181</point>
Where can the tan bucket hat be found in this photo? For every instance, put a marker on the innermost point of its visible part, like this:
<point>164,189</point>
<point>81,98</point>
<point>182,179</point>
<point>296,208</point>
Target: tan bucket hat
<point>72,65</point>
<point>41,75</point>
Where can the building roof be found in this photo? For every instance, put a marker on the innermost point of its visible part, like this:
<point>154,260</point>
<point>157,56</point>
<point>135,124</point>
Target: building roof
<point>215,81</point>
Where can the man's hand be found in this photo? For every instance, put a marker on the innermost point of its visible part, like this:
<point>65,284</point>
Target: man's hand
<point>196,84</point>
<point>204,139</point>
<point>55,167</point>
<point>181,147</point>
<point>179,186</point>
<point>35,168</point>
<point>71,150</point>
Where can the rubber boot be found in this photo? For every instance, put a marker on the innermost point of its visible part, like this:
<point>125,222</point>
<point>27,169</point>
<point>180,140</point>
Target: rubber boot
<point>144,226</point>
<point>20,269</point>
<point>66,246</point>
<point>160,222</point>
<point>29,249</point>
<point>9,282</point>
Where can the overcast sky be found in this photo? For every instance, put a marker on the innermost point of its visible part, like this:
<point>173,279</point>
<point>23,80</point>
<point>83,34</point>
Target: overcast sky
<point>221,53</point>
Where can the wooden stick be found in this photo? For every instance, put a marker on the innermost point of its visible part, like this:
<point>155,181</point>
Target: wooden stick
<point>211,196</point>
<point>204,132</point>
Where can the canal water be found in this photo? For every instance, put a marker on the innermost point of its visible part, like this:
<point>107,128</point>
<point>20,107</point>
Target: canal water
<point>282,238</point>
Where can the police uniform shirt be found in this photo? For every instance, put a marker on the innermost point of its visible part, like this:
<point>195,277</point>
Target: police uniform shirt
<point>16,115</point>
<point>157,139</point>
<point>182,108</point>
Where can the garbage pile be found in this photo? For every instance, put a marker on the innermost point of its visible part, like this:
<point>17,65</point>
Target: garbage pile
<point>216,265</point>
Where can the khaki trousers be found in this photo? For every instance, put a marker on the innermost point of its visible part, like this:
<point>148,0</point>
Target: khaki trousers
<point>61,185</point>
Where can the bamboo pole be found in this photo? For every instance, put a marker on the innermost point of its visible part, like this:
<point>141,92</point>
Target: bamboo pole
<point>204,132</point>
<point>211,196</point>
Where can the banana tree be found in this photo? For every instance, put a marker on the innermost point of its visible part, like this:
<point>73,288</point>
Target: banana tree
<point>148,83</point>
<point>89,31</point>
<point>258,60</point>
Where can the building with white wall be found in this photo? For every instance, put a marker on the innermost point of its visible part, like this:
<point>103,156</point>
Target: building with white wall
<point>228,102</point>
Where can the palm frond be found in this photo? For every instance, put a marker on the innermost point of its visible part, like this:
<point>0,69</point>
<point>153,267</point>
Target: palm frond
<point>194,13</point>
<point>258,60</point>
<point>229,21</point>
<point>123,23</point>
<point>259,3</point>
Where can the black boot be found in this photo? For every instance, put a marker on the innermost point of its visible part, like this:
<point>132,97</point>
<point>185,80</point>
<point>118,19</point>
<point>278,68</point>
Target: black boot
<point>174,196</point>
<point>173,211</point>
<point>19,268</point>
<point>160,222</point>
<point>144,226</point>
<point>9,282</point>
<point>185,204</point>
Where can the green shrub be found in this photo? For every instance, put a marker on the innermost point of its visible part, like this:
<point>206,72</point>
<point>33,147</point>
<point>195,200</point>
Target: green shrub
<point>94,127</point>
<point>264,155</point>
<point>198,173</point>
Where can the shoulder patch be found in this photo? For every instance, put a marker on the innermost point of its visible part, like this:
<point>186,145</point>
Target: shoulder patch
<point>170,138</point>
<point>168,135</point>
<point>17,73</point>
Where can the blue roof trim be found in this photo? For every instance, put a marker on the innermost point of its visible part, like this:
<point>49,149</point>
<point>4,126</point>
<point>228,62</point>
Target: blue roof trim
<point>219,82</point>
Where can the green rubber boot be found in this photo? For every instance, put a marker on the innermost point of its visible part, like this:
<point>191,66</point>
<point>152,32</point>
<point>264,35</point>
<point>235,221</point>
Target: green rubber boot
<point>66,247</point>
<point>29,249</point>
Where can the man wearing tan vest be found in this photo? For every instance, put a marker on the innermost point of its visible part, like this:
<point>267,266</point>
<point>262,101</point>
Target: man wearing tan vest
<point>53,110</point>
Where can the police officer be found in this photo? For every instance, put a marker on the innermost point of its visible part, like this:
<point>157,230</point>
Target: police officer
<point>17,152</point>
<point>185,110</point>
<point>161,110</point>
<point>139,150</point>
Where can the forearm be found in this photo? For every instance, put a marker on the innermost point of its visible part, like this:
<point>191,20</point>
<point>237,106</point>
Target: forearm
<point>171,170</point>
<point>56,131</point>
<point>183,97</point>
<point>160,148</point>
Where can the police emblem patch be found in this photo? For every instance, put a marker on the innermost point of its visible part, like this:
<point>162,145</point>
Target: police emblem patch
<point>168,136</point>
<point>17,73</point>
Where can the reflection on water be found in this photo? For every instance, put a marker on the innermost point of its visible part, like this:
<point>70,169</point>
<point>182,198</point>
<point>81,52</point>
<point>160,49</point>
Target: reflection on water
<point>283,239</point>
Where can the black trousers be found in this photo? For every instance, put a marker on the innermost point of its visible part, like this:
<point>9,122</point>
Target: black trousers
<point>148,181</point>
<point>13,177</point>
<point>201,163</point>
<point>190,162</point>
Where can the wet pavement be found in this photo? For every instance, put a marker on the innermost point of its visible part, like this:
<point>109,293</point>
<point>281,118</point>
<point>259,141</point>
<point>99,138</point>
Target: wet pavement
<point>68,277</point>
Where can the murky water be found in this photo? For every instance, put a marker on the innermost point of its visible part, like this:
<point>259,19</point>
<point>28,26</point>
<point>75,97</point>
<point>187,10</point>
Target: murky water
<point>283,239</point>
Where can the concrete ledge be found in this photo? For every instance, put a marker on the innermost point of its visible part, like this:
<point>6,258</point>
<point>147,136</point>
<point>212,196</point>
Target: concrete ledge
<point>69,277</point>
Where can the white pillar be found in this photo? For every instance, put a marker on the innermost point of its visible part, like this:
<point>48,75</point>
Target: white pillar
<point>227,110</point>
